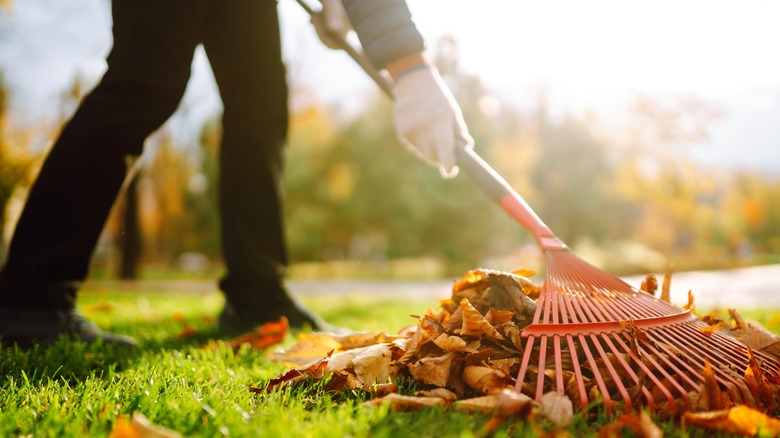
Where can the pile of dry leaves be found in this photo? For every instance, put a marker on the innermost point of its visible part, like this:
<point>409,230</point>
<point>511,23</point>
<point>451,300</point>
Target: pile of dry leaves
<point>466,355</point>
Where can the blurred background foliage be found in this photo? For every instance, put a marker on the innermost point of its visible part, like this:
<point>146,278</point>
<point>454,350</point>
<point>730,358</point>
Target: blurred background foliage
<point>626,196</point>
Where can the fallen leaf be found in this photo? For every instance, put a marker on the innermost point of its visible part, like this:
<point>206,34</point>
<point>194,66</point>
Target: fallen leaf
<point>754,379</point>
<point>433,370</point>
<point>510,404</point>
<point>315,370</point>
<point>558,408</point>
<point>707,331</point>
<point>487,380</point>
<point>640,424</point>
<point>187,331</point>
<point>270,333</point>
<point>474,324</point>
<point>372,364</point>
<point>438,392</point>
<point>403,403</point>
<point>711,397</point>
<point>456,343</point>
<point>310,346</point>
<point>140,427</point>
<point>741,419</point>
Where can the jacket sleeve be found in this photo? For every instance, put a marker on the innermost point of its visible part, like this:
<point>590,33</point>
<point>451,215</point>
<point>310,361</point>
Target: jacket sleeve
<point>385,29</point>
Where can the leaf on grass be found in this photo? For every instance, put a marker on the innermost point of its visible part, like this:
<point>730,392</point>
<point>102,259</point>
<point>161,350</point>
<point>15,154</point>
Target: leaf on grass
<point>270,333</point>
<point>444,393</point>
<point>474,324</point>
<point>310,346</point>
<point>558,408</point>
<point>433,370</point>
<point>741,419</point>
<point>140,427</point>
<point>187,331</point>
<point>510,404</point>
<point>642,425</point>
<point>403,403</point>
<point>372,364</point>
<point>487,380</point>
<point>315,370</point>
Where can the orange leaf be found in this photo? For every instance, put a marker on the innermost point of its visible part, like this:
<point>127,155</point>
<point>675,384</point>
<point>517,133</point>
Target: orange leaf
<point>707,331</point>
<point>187,331</point>
<point>641,424</point>
<point>140,427</point>
<point>755,380</point>
<point>649,284</point>
<point>268,334</point>
<point>666,286</point>
<point>741,419</point>
<point>690,306</point>
<point>711,396</point>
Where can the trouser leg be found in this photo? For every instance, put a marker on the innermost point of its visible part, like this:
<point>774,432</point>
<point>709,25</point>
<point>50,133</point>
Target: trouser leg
<point>69,202</point>
<point>242,43</point>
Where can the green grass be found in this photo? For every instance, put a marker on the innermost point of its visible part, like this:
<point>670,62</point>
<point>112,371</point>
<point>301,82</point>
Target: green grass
<point>80,390</point>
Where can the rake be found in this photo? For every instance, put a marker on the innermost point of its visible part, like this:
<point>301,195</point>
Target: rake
<point>595,337</point>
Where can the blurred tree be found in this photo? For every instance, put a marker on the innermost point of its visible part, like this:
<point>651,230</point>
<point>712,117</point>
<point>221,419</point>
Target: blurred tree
<point>15,163</point>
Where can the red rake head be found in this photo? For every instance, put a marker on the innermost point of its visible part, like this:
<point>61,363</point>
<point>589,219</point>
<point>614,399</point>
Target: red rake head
<point>594,337</point>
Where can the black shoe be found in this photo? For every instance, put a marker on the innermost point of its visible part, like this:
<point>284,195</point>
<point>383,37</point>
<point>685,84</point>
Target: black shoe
<point>236,321</point>
<point>25,327</point>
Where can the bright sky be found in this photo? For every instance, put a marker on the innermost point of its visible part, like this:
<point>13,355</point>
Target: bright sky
<point>589,54</point>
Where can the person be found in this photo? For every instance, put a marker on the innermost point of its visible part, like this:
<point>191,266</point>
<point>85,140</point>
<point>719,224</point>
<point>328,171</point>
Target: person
<point>148,69</point>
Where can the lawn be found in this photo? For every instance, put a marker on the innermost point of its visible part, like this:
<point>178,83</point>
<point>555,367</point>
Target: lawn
<point>81,390</point>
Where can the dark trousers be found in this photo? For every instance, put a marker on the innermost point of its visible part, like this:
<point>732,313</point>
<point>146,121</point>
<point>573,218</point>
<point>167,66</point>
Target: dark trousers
<point>148,70</point>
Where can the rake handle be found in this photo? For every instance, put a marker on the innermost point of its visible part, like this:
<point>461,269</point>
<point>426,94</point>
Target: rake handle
<point>481,173</point>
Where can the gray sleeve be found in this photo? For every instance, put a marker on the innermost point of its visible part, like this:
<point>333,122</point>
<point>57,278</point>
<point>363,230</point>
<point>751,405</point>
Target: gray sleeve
<point>385,29</point>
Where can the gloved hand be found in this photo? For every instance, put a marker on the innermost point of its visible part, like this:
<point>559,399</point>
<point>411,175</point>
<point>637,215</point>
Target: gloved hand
<point>331,23</point>
<point>428,119</point>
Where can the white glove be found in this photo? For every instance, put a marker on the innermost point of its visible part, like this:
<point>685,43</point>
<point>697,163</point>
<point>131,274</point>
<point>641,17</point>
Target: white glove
<point>331,23</point>
<point>428,119</point>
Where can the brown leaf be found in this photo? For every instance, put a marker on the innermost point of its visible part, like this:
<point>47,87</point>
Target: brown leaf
<point>315,370</point>
<point>403,403</point>
<point>456,343</point>
<point>474,324</point>
<point>487,380</point>
<point>558,408</point>
<point>496,317</point>
<point>187,331</point>
<point>433,370</point>
<point>740,419</point>
<point>510,404</point>
<point>444,393</point>
<point>140,427</point>
<point>754,379</point>
<point>711,397</point>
